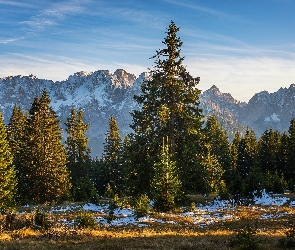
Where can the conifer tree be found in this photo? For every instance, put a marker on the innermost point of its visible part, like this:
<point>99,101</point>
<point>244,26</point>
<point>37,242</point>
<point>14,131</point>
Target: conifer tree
<point>165,184</point>
<point>78,156</point>
<point>235,178</point>
<point>216,138</point>
<point>283,153</point>
<point>169,107</point>
<point>213,171</point>
<point>44,170</point>
<point>111,168</point>
<point>247,153</point>
<point>16,134</point>
<point>268,147</point>
<point>8,180</point>
<point>290,171</point>
<point>76,146</point>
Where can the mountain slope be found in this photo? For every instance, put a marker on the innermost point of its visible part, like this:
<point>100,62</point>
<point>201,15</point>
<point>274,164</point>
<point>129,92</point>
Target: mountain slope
<point>101,94</point>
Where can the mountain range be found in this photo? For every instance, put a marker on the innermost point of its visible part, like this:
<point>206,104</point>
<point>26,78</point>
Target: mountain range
<point>101,94</point>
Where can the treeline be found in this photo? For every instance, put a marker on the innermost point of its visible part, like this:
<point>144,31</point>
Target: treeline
<point>172,151</point>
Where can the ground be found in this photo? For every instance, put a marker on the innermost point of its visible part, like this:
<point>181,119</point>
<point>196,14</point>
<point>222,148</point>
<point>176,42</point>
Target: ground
<point>264,222</point>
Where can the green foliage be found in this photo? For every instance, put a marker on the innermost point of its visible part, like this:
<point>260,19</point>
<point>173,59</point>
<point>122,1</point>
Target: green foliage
<point>169,108</point>
<point>85,220</point>
<point>289,240</point>
<point>78,153</point>
<point>165,185</point>
<point>8,179</point>
<point>245,238</point>
<point>112,206</point>
<point>43,170</point>
<point>111,169</point>
<point>41,219</point>
<point>141,206</point>
<point>85,191</point>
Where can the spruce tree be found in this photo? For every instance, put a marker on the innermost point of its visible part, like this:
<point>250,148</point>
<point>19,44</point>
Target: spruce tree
<point>8,180</point>
<point>111,166</point>
<point>78,153</point>
<point>165,184</point>
<point>16,133</point>
<point>247,153</point>
<point>46,177</point>
<point>78,156</point>
<point>216,138</point>
<point>290,171</point>
<point>268,149</point>
<point>169,107</point>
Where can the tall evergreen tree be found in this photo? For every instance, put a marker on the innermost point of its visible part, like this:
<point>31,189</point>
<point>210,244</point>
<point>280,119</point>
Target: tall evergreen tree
<point>44,167</point>
<point>8,179</point>
<point>247,153</point>
<point>290,171</point>
<point>283,154</point>
<point>268,148</point>
<point>111,168</point>
<point>78,157</point>
<point>216,138</point>
<point>16,134</point>
<point>165,184</point>
<point>78,153</point>
<point>169,107</point>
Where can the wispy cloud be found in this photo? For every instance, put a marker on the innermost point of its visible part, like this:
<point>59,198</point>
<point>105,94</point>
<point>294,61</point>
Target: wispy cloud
<point>54,14</point>
<point>210,11</point>
<point>16,3</point>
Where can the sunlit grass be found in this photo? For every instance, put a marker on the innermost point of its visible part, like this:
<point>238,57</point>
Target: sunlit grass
<point>166,231</point>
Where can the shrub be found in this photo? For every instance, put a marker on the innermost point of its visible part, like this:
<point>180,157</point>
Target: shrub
<point>41,219</point>
<point>85,219</point>
<point>245,238</point>
<point>289,240</point>
<point>141,206</point>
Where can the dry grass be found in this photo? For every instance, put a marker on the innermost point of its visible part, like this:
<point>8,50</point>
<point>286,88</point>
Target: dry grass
<point>183,234</point>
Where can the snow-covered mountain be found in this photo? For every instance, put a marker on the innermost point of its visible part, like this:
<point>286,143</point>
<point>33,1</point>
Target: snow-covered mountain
<point>101,94</point>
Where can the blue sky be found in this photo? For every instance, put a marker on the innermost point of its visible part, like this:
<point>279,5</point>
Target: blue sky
<point>241,46</point>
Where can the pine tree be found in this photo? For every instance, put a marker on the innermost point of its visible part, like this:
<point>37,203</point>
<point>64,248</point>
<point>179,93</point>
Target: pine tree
<point>216,138</point>
<point>165,184</point>
<point>111,169</point>
<point>247,153</point>
<point>290,171</point>
<point>283,153</point>
<point>268,147</point>
<point>234,181</point>
<point>169,107</point>
<point>16,134</point>
<point>44,170</point>
<point>78,153</point>
<point>8,180</point>
<point>213,171</point>
<point>78,156</point>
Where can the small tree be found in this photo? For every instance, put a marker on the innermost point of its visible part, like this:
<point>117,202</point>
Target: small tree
<point>8,180</point>
<point>165,183</point>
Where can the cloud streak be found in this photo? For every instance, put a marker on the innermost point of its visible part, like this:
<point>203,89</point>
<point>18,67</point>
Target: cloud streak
<point>210,11</point>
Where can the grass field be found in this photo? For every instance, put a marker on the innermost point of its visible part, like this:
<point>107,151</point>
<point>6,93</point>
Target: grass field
<point>203,227</point>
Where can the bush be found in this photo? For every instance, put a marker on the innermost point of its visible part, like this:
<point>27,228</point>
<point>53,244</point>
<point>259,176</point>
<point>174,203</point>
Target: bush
<point>41,219</point>
<point>141,206</point>
<point>245,238</point>
<point>85,219</point>
<point>289,240</point>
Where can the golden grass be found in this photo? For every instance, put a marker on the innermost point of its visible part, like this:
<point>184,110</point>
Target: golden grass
<point>183,234</point>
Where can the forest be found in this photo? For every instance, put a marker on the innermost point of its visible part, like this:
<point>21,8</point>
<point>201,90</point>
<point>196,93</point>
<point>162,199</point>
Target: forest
<point>172,153</point>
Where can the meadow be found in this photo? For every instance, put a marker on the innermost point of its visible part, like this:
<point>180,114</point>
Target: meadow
<point>264,222</point>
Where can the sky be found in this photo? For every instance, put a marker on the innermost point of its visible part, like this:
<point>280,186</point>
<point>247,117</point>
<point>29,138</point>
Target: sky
<point>241,46</point>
